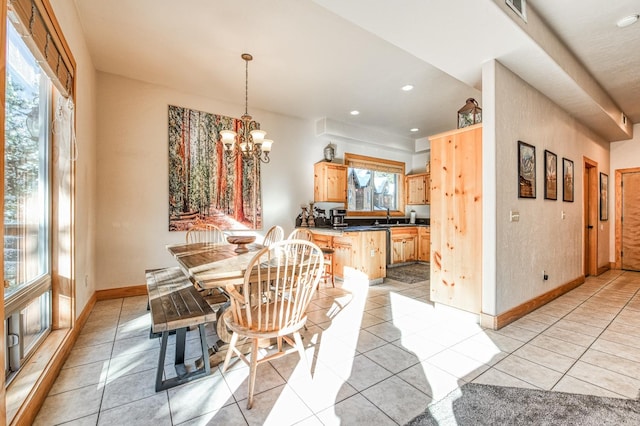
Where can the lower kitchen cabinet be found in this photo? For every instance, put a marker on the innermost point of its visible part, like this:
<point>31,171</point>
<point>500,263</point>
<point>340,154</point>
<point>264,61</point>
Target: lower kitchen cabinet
<point>359,253</point>
<point>424,244</point>
<point>404,245</point>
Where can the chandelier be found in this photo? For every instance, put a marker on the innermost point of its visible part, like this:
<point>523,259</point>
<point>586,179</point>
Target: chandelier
<point>251,143</point>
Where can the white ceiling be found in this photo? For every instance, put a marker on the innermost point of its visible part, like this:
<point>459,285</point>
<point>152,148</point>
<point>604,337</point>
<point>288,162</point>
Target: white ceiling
<point>324,58</point>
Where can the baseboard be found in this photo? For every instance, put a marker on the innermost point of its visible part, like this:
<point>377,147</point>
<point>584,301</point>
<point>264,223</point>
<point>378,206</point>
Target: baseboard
<point>513,314</point>
<point>116,293</point>
<point>31,405</point>
<point>603,269</point>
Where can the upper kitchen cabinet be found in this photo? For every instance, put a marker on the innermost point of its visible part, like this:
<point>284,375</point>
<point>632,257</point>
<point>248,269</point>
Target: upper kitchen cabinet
<point>330,182</point>
<point>456,218</point>
<point>417,188</point>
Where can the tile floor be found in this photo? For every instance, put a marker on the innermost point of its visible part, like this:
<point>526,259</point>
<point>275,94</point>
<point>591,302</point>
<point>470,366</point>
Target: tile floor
<point>379,355</point>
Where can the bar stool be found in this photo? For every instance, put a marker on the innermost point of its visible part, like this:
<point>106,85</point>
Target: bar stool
<point>327,252</point>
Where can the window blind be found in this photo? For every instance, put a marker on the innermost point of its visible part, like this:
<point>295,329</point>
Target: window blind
<point>376,164</point>
<point>35,21</point>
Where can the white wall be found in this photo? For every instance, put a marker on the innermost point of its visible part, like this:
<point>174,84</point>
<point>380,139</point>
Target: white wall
<point>541,239</point>
<point>624,155</point>
<point>85,184</point>
<point>132,185</point>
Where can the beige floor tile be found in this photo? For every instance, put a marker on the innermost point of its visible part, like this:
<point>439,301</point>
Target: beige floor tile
<point>392,358</point>
<point>504,343</point>
<point>386,331</point>
<point>129,388</point>
<point>565,335</point>
<point>421,347</point>
<point>361,373</point>
<point>517,333</point>
<point>538,375</point>
<point>572,385</point>
<point>623,351</point>
<point>542,317</point>
<point>544,357</point>
<point>431,380</point>
<point>588,320</point>
<point>97,337</point>
<point>151,411</point>
<point>558,346</point>
<point>277,406</point>
<point>227,416</point>
<point>578,327</point>
<point>531,324</point>
<point>498,378</point>
<point>80,376</point>
<point>320,389</point>
<point>480,348</point>
<point>612,362</point>
<point>238,380</point>
<point>88,355</point>
<point>356,411</point>
<point>619,327</point>
<point>610,380</point>
<point>91,420</point>
<point>398,399</point>
<point>622,338</point>
<point>208,394</point>
<point>71,405</point>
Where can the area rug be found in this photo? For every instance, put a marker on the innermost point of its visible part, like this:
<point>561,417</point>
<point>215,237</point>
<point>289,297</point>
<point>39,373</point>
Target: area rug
<point>410,274</point>
<point>476,404</point>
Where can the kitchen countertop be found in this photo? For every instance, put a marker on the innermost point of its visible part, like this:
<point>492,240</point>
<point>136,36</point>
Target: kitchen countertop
<point>365,228</point>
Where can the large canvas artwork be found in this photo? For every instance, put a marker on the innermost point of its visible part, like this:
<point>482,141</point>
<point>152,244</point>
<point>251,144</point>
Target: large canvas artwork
<point>204,185</point>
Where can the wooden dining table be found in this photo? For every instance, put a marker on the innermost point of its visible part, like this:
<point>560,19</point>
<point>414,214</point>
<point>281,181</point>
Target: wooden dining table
<point>212,266</point>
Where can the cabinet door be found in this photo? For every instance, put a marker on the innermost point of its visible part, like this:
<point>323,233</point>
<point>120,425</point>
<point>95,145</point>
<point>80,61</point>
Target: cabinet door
<point>342,255</point>
<point>397,249</point>
<point>330,182</point>
<point>411,249</point>
<point>416,189</point>
<point>424,244</point>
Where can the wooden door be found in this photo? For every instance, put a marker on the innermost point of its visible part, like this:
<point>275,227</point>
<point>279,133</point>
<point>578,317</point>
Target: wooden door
<point>416,189</point>
<point>342,255</point>
<point>590,191</point>
<point>411,248</point>
<point>424,244</point>
<point>630,221</point>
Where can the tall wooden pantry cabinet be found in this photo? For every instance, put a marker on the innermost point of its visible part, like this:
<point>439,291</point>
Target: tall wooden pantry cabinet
<point>456,218</point>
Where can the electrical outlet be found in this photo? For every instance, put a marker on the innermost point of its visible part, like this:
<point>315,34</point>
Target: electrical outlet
<point>86,281</point>
<point>373,253</point>
<point>545,276</point>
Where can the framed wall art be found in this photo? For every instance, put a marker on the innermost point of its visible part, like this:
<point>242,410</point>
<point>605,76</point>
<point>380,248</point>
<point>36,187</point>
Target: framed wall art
<point>550,175</point>
<point>604,194</point>
<point>526,170</point>
<point>567,180</point>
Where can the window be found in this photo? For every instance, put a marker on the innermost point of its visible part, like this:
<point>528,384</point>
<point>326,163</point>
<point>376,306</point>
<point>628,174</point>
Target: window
<point>374,185</point>
<point>27,248</point>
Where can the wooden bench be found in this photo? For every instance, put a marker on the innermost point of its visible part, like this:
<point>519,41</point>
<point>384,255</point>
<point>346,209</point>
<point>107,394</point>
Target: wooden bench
<point>176,305</point>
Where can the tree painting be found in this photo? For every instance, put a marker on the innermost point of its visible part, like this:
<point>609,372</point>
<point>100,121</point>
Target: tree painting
<point>205,184</point>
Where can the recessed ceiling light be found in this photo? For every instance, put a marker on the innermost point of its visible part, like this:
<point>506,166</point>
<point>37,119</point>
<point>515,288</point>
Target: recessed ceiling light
<point>415,129</point>
<point>627,20</point>
<point>407,87</point>
<point>354,112</point>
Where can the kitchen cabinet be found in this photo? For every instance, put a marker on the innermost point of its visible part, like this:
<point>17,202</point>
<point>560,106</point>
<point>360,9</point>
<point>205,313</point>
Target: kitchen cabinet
<point>417,188</point>
<point>404,244</point>
<point>362,254</point>
<point>330,182</point>
<point>456,218</point>
<point>424,244</point>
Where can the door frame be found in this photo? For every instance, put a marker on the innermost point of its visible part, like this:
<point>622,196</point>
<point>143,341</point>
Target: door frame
<point>618,208</point>
<point>590,192</point>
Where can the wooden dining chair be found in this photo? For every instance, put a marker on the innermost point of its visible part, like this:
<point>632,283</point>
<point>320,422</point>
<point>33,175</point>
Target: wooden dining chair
<point>301,234</point>
<point>305,234</point>
<point>273,235</point>
<point>205,233</point>
<point>279,283</point>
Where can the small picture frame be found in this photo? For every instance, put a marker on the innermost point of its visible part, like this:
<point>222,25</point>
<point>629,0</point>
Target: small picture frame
<point>567,180</point>
<point>604,197</point>
<point>526,170</point>
<point>550,175</point>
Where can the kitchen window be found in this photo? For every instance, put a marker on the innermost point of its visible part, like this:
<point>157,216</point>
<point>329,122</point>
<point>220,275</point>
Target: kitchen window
<point>374,185</point>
